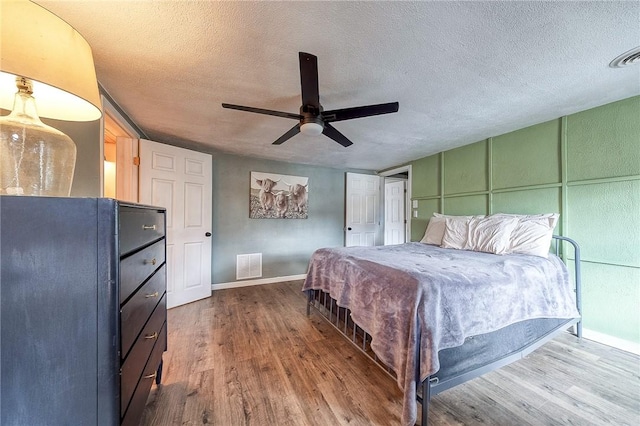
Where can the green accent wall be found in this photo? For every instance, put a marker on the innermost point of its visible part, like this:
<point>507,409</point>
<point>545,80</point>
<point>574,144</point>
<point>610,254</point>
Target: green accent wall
<point>585,166</point>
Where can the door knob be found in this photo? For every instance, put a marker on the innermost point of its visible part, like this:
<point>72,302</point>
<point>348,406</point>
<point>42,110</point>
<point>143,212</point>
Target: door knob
<point>349,229</point>
<point>207,234</point>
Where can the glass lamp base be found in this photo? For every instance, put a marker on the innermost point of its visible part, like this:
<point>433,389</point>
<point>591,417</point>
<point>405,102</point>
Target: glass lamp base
<point>35,159</point>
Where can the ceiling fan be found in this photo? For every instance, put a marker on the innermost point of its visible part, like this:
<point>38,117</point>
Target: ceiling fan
<point>313,120</point>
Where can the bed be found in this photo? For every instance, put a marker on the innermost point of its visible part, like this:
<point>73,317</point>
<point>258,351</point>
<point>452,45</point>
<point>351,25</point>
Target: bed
<point>436,317</point>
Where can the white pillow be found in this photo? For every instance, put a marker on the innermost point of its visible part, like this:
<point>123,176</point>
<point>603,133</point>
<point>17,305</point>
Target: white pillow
<point>491,234</point>
<point>533,235</point>
<point>456,232</point>
<point>551,217</point>
<point>435,228</point>
<point>435,231</point>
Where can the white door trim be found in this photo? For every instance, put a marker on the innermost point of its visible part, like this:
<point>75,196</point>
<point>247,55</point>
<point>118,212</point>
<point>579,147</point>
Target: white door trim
<point>109,109</point>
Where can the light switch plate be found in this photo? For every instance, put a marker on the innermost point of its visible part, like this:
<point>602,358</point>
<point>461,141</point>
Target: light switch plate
<point>415,204</point>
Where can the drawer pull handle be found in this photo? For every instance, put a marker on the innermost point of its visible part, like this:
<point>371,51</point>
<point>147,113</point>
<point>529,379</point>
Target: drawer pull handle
<point>149,227</point>
<point>150,376</point>
<point>151,295</point>
<point>152,261</point>
<point>153,335</point>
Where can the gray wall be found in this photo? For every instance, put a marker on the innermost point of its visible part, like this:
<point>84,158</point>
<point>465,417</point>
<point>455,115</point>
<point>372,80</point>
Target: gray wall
<point>86,135</point>
<point>286,244</point>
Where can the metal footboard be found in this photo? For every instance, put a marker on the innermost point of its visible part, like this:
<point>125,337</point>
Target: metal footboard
<point>340,319</point>
<point>577,274</point>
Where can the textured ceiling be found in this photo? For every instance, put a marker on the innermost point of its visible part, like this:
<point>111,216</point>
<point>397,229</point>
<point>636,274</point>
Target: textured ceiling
<point>461,71</point>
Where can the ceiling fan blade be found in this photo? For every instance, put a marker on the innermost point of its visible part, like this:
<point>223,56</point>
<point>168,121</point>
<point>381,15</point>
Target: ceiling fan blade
<point>361,111</point>
<point>309,80</point>
<point>263,111</point>
<point>334,134</point>
<point>291,133</point>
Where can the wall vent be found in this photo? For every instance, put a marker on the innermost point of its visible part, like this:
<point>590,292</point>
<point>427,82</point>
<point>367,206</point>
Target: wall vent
<point>248,266</point>
<point>627,58</point>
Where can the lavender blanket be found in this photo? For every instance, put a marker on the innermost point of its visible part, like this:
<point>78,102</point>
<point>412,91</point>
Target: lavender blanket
<point>445,295</point>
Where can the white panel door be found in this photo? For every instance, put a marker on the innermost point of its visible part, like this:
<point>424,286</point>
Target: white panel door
<point>394,212</point>
<point>180,180</point>
<point>362,223</point>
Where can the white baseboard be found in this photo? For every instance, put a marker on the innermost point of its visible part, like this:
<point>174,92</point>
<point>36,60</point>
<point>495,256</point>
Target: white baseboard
<point>614,342</point>
<point>247,283</point>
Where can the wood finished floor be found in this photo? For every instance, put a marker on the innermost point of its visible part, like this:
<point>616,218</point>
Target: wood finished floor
<point>251,356</point>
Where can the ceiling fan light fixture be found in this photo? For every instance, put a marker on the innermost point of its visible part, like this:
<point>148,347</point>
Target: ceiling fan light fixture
<point>311,129</point>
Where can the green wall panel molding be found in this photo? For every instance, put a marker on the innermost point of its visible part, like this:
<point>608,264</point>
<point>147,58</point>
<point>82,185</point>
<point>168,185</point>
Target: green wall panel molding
<point>529,156</point>
<point>465,169</point>
<point>468,205</point>
<point>431,197</point>
<point>528,201</point>
<point>585,166</point>
<point>421,223</point>
<point>605,219</point>
<point>425,180</point>
<point>527,188</point>
<point>610,300</point>
<point>604,180</point>
<point>426,208</point>
<point>604,141</point>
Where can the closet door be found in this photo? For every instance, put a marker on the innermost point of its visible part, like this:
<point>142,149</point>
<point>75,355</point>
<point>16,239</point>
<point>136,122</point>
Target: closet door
<point>180,181</point>
<point>394,212</point>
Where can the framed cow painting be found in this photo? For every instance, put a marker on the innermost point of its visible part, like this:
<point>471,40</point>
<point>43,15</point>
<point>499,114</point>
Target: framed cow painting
<point>274,196</point>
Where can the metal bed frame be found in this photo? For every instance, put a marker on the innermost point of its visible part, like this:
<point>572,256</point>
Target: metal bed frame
<point>340,319</point>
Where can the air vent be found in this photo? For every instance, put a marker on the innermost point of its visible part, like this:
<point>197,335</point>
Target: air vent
<point>248,266</point>
<point>627,58</point>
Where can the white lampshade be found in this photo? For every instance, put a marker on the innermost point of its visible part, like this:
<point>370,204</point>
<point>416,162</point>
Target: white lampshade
<point>46,70</point>
<point>38,45</point>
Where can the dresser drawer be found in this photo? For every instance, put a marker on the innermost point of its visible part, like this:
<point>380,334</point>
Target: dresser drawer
<point>139,355</point>
<point>136,311</point>
<point>139,227</point>
<point>141,392</point>
<point>135,269</point>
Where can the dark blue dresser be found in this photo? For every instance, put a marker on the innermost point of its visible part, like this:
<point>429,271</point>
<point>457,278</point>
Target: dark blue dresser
<point>83,310</point>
